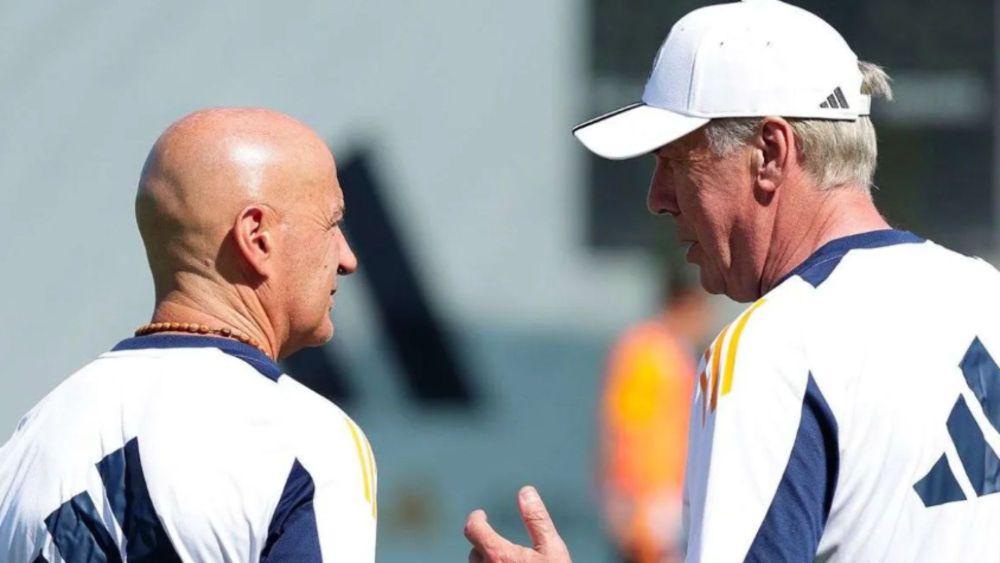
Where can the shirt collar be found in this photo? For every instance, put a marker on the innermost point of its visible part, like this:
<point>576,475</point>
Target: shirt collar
<point>245,352</point>
<point>821,263</point>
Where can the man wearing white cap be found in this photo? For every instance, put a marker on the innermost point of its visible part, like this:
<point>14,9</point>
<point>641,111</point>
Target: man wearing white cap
<point>852,412</point>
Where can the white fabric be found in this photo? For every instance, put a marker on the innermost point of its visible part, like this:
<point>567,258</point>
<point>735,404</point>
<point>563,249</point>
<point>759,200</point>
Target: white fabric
<point>882,337</point>
<point>217,441</point>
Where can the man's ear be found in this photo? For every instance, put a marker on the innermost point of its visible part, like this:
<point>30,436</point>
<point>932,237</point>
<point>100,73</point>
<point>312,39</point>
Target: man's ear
<point>776,151</point>
<point>254,238</point>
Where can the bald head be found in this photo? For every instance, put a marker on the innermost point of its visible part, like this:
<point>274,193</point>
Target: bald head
<point>220,192</point>
<point>208,165</point>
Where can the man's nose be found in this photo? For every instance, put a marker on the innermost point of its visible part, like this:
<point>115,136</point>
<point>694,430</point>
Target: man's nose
<point>348,261</point>
<point>661,198</point>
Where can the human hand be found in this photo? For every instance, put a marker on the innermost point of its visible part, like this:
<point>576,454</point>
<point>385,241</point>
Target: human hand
<point>490,547</point>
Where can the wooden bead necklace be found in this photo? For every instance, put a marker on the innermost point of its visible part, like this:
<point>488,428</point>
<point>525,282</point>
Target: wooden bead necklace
<point>195,328</point>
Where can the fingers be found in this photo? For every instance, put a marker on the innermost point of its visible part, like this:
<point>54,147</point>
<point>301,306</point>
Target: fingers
<point>491,547</point>
<point>482,536</point>
<point>537,521</point>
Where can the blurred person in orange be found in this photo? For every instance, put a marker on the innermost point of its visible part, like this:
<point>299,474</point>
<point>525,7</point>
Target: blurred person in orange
<point>644,411</point>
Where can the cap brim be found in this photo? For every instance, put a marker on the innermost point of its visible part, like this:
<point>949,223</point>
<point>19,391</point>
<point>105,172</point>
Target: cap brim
<point>634,130</point>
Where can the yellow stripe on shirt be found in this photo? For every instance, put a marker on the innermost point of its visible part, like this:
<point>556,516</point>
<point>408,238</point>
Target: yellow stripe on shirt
<point>374,474</point>
<point>716,354</point>
<point>727,382</point>
<point>361,459</point>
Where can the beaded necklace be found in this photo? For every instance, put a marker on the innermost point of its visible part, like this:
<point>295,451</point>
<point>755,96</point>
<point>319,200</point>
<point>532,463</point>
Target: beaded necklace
<point>195,328</point>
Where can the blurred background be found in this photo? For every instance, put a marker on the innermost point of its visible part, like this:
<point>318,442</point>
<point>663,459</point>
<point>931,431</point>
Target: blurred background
<point>499,261</point>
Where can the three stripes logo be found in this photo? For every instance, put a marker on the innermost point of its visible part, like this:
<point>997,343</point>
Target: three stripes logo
<point>717,374</point>
<point>836,100</point>
<point>978,460</point>
<point>81,534</point>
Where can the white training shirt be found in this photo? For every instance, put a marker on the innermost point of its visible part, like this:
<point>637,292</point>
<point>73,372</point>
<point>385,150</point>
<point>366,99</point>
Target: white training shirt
<point>186,448</point>
<point>852,414</point>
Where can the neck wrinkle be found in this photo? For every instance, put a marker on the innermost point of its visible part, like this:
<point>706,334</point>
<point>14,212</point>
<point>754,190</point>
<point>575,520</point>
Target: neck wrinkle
<point>832,214</point>
<point>248,301</point>
<point>206,306</point>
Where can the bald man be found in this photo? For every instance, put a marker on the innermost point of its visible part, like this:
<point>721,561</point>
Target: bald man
<point>187,442</point>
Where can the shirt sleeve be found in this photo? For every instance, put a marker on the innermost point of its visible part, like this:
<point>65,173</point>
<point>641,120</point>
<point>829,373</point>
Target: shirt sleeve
<point>346,533</point>
<point>327,509</point>
<point>293,535</point>
<point>763,458</point>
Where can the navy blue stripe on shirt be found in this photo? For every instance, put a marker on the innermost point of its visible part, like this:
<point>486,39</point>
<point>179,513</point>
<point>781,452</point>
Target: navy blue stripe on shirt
<point>818,267</point>
<point>794,523</point>
<point>125,486</point>
<point>292,536</point>
<point>983,376</point>
<point>258,360</point>
<point>980,461</point>
<point>939,486</point>
<point>79,533</point>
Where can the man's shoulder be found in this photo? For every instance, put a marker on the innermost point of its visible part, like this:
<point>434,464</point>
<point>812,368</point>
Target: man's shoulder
<point>879,290</point>
<point>305,404</point>
<point>779,319</point>
<point>240,384</point>
<point>836,295</point>
<point>206,364</point>
<point>321,428</point>
<point>760,348</point>
<point>909,262</point>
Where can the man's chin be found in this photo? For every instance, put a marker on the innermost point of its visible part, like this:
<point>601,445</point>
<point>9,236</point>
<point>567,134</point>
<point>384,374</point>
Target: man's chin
<point>715,284</point>
<point>710,282</point>
<point>318,337</point>
<point>323,334</point>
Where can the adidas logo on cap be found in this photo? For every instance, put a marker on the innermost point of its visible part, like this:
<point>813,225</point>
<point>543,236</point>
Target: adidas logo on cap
<point>836,100</point>
<point>741,59</point>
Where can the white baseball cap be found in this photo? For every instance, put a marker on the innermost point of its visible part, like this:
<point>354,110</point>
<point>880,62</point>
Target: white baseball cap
<point>744,59</point>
